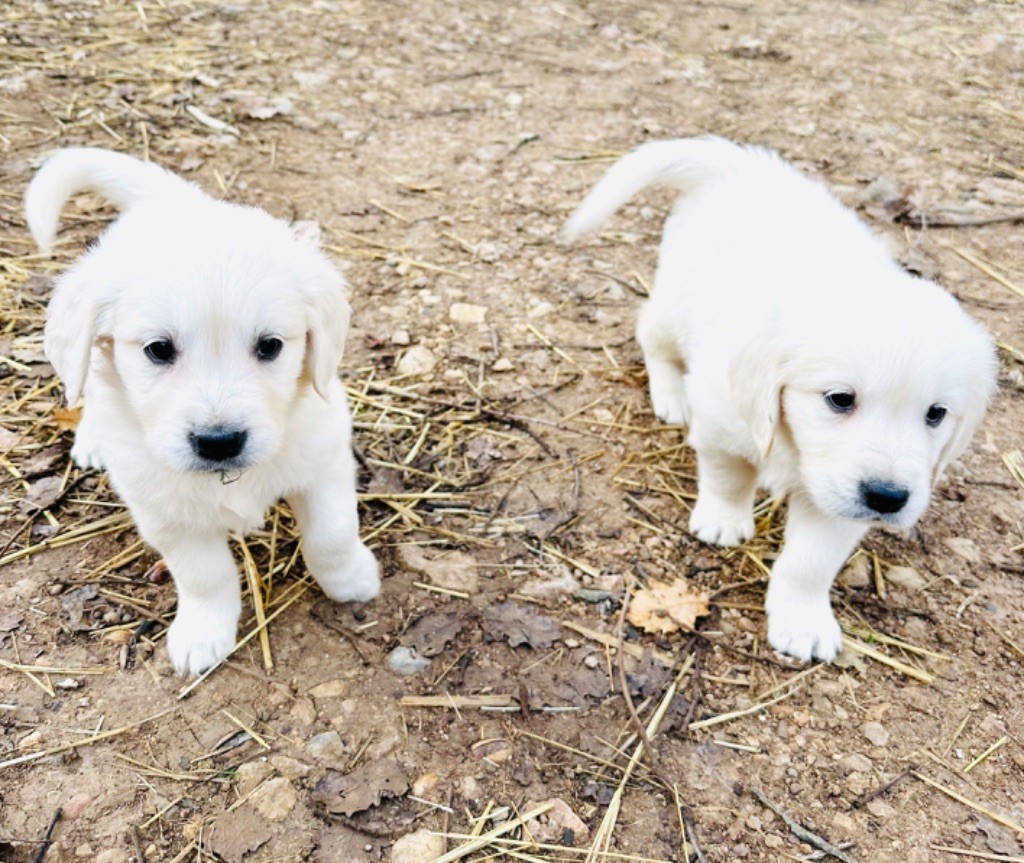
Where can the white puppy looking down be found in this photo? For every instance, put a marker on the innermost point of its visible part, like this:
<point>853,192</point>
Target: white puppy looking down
<point>803,360</point>
<point>206,337</point>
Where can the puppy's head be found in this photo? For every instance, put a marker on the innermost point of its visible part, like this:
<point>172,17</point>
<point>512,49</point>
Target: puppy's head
<point>210,319</point>
<point>873,399</point>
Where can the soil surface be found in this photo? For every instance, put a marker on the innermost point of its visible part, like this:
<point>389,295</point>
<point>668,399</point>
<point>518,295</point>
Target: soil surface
<point>514,477</point>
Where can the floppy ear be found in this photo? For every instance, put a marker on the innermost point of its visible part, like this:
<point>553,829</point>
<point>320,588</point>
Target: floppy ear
<point>755,384</point>
<point>327,317</point>
<point>72,324</point>
<point>979,367</point>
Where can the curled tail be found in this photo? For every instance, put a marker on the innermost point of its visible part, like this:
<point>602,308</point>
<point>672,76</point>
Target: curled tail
<point>683,164</point>
<point>121,179</point>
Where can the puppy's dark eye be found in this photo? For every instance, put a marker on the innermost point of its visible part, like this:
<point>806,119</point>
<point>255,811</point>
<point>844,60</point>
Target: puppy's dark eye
<point>161,352</point>
<point>268,347</point>
<point>936,414</point>
<point>840,401</point>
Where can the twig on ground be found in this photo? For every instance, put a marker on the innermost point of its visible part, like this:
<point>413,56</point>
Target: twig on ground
<point>868,796</point>
<point>802,832</point>
<point>652,756</point>
<point>47,839</point>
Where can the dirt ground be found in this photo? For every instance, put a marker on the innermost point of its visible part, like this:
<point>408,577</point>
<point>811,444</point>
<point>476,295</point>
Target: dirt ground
<point>512,459</point>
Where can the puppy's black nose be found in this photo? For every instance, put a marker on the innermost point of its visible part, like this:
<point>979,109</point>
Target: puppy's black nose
<point>218,443</point>
<point>883,497</point>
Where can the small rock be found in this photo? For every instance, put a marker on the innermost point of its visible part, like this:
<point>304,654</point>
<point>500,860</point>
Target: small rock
<point>842,821</point>
<point>467,313</point>
<point>453,570</point>
<point>592,661</point>
<point>540,310</point>
<point>303,711</point>
<point>906,577</point>
<point>855,763</point>
<point>502,364</point>
<point>275,798</point>
<point>32,740</point>
<point>470,788</point>
<point>400,337</point>
<point>406,660</point>
<point>112,855</point>
<point>418,360</point>
<point>558,584</point>
<point>773,841</point>
<point>880,809</point>
<point>857,573</point>
<point>425,784</point>
<point>290,768</point>
<point>553,824</point>
<point>329,689</point>
<point>251,775</point>
<point>876,733</point>
<point>84,850</point>
<point>963,547</point>
<point>420,846</point>
<point>326,746</point>
<point>76,806</point>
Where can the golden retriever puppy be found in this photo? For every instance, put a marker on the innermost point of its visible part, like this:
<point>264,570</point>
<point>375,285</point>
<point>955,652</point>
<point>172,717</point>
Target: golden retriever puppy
<point>802,359</point>
<point>206,338</point>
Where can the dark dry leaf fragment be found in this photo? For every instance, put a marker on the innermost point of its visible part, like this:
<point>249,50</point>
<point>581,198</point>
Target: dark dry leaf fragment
<point>347,794</point>
<point>42,494</point>
<point>433,632</point>
<point>521,624</point>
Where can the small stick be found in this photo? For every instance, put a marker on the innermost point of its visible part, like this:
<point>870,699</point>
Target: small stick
<point>981,855</point>
<point>691,829</point>
<point>256,591</point>
<point>977,807</point>
<point>652,756</point>
<point>47,840</point>
<point>1002,741</point>
<point>483,841</point>
<point>87,741</point>
<point>868,796</point>
<point>140,853</point>
<point>802,832</point>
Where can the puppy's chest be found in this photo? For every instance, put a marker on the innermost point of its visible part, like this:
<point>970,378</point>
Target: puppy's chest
<point>240,510</point>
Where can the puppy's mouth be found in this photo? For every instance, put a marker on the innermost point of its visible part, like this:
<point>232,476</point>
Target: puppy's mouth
<point>228,469</point>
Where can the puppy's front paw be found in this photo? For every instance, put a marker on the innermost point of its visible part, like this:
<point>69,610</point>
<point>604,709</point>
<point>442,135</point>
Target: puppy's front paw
<point>85,451</point>
<point>356,579</point>
<point>801,629</point>
<point>720,522</point>
<point>670,406</point>
<point>199,638</point>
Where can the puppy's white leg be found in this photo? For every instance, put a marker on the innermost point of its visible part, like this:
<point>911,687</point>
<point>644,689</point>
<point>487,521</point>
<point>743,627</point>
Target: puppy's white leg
<point>800,618</point>
<point>327,516</point>
<point>86,449</point>
<point>209,599</point>
<point>724,512</point>
<point>666,372</point>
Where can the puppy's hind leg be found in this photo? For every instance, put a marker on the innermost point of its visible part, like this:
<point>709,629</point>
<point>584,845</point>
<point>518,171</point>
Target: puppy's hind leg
<point>329,523</point>
<point>724,511</point>
<point>666,372</point>
<point>800,618</point>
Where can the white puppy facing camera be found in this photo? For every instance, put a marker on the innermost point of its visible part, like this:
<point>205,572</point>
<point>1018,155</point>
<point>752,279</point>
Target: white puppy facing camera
<point>206,338</point>
<point>802,359</point>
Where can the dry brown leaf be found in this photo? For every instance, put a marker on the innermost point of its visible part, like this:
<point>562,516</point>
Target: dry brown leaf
<point>665,608</point>
<point>67,419</point>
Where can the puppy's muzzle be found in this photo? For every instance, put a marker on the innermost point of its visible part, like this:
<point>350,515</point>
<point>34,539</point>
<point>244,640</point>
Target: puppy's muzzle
<point>218,443</point>
<point>883,497</point>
